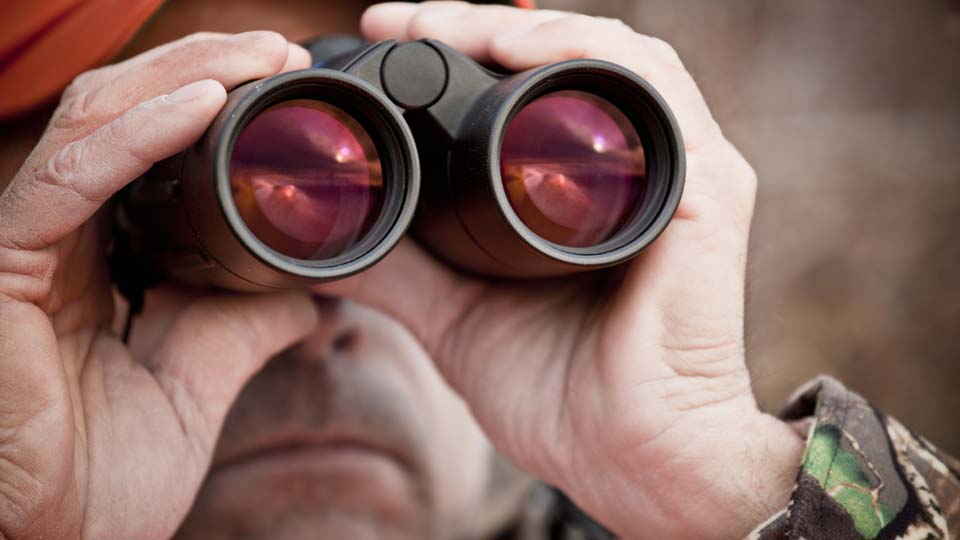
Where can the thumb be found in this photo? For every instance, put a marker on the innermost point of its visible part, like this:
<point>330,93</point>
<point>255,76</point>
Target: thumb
<point>217,344</point>
<point>412,287</point>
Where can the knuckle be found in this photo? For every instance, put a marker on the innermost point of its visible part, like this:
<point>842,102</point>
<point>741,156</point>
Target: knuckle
<point>60,170</point>
<point>663,50</point>
<point>77,110</point>
<point>428,21</point>
<point>612,23</point>
<point>577,22</point>
<point>61,165</point>
<point>267,49</point>
<point>81,83</point>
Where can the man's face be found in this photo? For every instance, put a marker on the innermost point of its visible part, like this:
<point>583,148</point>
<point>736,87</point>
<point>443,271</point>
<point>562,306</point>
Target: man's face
<point>349,434</point>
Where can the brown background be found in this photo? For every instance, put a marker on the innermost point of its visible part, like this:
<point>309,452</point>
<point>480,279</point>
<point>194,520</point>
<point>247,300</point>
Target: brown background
<point>850,112</point>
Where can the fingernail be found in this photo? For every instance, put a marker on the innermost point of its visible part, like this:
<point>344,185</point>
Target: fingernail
<point>190,92</point>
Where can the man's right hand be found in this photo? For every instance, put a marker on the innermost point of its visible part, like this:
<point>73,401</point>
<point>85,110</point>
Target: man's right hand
<point>98,440</point>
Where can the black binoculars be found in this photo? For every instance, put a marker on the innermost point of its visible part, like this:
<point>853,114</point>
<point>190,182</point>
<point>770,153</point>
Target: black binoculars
<point>316,174</point>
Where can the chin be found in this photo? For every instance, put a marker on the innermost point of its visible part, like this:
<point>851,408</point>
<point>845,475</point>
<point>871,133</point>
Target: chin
<point>282,518</point>
<point>306,495</point>
<point>299,524</point>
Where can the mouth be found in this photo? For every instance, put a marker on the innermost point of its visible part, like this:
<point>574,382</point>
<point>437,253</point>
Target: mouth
<point>299,452</point>
<point>333,432</point>
<point>292,475</point>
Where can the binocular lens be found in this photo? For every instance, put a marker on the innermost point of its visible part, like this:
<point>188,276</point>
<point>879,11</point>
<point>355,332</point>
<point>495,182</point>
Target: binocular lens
<point>306,179</point>
<point>573,168</point>
<point>315,175</point>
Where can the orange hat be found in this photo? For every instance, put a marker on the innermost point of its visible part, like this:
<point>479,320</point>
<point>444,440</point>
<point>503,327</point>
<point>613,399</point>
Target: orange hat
<point>44,44</point>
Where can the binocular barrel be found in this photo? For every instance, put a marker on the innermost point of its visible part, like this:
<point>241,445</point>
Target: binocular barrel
<point>316,174</point>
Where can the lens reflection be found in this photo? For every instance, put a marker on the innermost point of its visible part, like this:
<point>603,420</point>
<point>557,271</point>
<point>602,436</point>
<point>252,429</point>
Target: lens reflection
<point>307,179</point>
<point>573,167</point>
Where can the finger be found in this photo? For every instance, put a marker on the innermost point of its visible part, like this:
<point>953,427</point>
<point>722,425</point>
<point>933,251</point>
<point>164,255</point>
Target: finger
<point>388,20</point>
<point>431,299</point>
<point>297,58</point>
<point>579,36</point>
<point>40,207</point>
<point>466,27</point>
<point>229,59</point>
<point>216,344</point>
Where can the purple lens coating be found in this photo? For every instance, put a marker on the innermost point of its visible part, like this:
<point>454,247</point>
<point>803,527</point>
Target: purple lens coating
<point>573,168</point>
<point>307,179</point>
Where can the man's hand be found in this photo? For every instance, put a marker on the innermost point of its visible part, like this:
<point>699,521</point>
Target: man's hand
<point>98,441</point>
<point>629,389</point>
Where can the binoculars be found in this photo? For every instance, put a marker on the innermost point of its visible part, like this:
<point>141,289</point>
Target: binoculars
<point>316,174</point>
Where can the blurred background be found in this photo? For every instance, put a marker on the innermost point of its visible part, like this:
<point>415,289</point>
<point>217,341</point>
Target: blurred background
<point>849,110</point>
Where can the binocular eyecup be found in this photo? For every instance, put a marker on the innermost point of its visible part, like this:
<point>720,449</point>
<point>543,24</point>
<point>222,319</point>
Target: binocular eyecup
<point>316,174</point>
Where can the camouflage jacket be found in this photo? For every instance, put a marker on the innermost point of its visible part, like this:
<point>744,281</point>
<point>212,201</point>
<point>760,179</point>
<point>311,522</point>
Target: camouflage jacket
<point>864,476</point>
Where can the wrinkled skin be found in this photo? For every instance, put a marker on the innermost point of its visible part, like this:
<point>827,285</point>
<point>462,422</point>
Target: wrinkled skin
<point>627,390</point>
<point>96,440</point>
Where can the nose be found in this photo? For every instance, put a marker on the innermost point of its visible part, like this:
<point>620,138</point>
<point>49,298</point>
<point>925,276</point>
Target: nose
<point>337,332</point>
